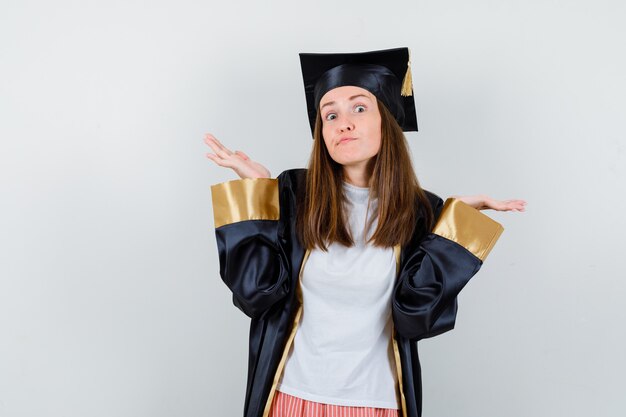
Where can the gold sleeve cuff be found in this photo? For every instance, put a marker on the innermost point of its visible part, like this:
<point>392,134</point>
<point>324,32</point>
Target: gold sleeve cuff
<point>245,199</point>
<point>468,227</point>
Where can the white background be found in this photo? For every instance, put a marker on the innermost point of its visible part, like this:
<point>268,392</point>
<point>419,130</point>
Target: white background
<point>110,299</point>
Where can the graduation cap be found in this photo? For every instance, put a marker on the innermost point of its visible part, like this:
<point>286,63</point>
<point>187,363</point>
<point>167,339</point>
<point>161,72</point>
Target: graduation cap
<point>385,73</point>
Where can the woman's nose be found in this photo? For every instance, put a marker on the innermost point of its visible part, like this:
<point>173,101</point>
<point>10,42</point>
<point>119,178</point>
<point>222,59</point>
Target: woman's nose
<point>345,124</point>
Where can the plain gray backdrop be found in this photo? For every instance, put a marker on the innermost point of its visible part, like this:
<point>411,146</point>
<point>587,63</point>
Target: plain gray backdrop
<point>111,302</point>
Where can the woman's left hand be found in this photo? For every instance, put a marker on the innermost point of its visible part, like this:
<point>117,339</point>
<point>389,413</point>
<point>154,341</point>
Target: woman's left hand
<point>484,202</point>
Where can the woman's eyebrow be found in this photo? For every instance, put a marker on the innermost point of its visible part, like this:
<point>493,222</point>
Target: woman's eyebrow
<point>351,98</point>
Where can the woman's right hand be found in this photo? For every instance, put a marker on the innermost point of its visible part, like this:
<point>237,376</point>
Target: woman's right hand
<point>237,161</point>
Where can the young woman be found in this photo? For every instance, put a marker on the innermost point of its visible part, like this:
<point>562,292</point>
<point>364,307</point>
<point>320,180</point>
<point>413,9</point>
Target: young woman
<point>344,266</point>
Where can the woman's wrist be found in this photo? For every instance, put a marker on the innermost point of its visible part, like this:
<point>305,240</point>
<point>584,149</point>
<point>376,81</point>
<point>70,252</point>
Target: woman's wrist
<point>476,201</point>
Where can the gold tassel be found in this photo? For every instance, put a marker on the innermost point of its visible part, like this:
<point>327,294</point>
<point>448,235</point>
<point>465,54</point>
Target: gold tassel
<point>407,83</point>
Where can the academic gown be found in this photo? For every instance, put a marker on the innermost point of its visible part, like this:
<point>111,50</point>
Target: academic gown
<point>261,260</point>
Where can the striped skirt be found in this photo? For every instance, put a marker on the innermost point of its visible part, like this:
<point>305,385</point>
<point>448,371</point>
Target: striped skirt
<point>285,405</point>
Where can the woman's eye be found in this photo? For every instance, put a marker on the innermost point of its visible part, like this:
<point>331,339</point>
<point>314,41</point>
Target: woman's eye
<point>359,109</point>
<point>331,116</point>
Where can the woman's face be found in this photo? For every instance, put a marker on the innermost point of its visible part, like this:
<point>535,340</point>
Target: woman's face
<point>351,125</point>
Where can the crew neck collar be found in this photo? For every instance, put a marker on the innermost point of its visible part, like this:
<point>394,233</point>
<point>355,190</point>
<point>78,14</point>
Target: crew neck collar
<point>354,187</point>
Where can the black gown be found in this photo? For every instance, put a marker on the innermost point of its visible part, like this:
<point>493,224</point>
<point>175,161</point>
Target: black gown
<point>261,260</point>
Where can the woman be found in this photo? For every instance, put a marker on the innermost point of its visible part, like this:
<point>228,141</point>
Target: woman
<point>344,266</point>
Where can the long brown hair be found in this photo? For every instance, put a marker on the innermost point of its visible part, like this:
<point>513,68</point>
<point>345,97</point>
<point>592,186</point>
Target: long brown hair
<point>401,200</point>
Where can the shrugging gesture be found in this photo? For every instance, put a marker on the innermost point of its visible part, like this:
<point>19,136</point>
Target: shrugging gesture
<point>423,250</point>
<point>237,161</point>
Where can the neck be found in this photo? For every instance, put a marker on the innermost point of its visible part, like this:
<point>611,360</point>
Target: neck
<point>357,176</point>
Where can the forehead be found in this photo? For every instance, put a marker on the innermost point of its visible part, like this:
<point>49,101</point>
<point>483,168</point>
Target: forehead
<point>345,93</point>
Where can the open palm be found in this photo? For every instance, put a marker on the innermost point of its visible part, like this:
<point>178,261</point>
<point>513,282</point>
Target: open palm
<point>237,161</point>
<point>484,202</point>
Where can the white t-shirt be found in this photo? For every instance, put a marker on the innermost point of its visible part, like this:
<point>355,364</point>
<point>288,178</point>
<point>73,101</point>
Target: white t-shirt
<point>342,352</point>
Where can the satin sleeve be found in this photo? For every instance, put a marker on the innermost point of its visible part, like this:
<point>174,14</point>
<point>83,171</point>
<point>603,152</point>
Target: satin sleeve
<point>253,266</point>
<point>434,271</point>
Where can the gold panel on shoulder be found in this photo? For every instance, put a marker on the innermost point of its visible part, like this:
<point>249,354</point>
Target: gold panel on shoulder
<point>245,199</point>
<point>468,227</point>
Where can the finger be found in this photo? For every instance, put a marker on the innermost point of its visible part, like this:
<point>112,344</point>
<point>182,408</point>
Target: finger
<point>515,207</point>
<point>518,203</point>
<point>219,152</point>
<point>215,158</point>
<point>222,152</point>
<point>246,157</point>
<point>217,146</point>
<point>209,139</point>
<point>220,144</point>
<point>212,142</point>
<point>226,163</point>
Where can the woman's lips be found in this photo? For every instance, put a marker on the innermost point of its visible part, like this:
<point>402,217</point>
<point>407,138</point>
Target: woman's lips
<point>343,140</point>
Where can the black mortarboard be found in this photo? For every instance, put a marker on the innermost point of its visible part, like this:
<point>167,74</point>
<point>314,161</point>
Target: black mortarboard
<point>386,74</point>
